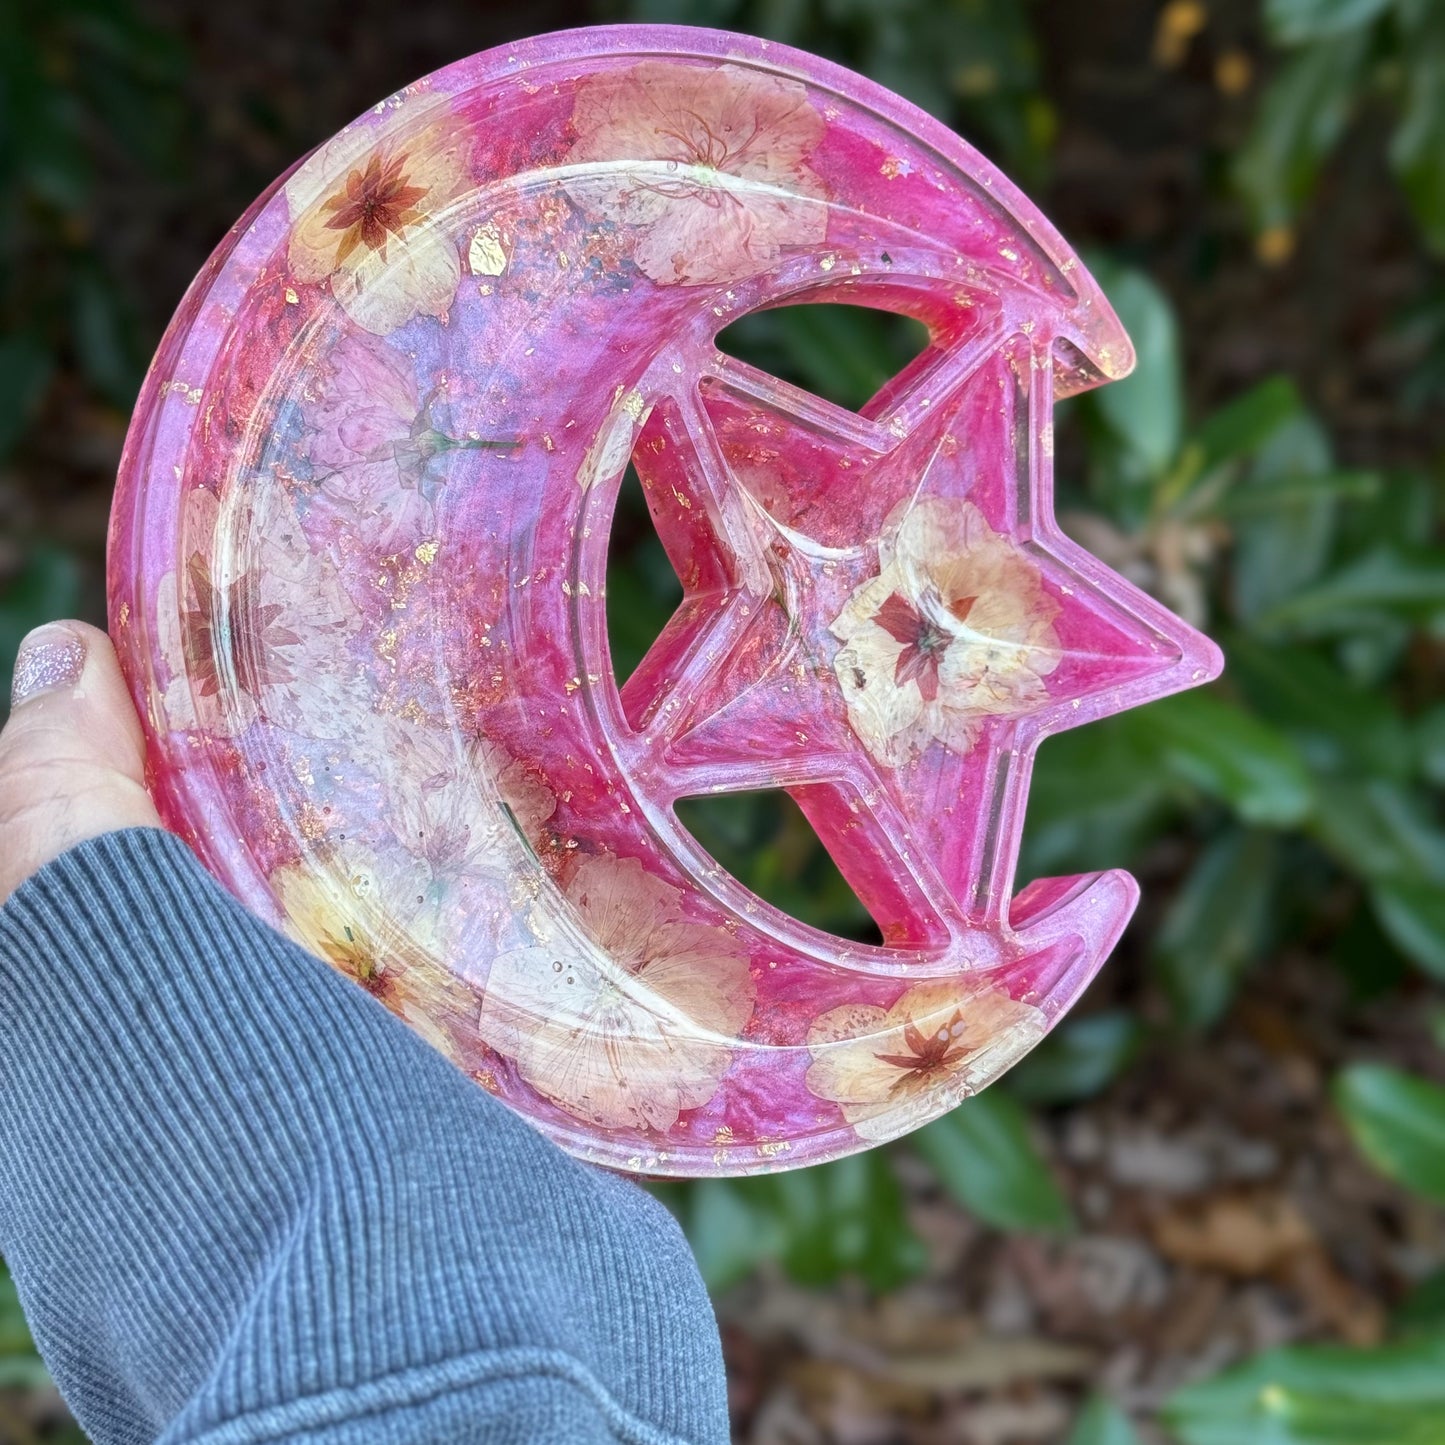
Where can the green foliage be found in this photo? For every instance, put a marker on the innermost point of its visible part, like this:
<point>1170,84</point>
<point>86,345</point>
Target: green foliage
<point>1079,1059</point>
<point>1305,776</point>
<point>847,1217</point>
<point>1300,766</point>
<point>1320,1395</point>
<point>1392,1394</point>
<point>1340,56</point>
<point>20,1366</point>
<point>984,1157</point>
<point>841,1218</point>
<point>1102,1423</point>
<point>1308,776</point>
<point>1218,923</point>
<point>1398,1121</point>
<point>87,90</point>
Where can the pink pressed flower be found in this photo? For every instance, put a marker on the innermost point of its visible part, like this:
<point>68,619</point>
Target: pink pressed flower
<point>457,810</point>
<point>258,632</point>
<point>890,1070</point>
<point>370,440</point>
<point>715,166</point>
<point>633,1029</point>
<point>360,913</point>
<point>362,211</point>
<point>956,627</point>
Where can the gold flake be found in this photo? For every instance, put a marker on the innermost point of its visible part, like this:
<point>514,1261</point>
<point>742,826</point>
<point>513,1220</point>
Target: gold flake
<point>426,552</point>
<point>291,297</point>
<point>486,255</point>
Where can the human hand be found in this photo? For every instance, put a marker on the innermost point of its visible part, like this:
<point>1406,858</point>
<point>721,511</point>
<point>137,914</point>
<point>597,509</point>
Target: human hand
<point>72,756</point>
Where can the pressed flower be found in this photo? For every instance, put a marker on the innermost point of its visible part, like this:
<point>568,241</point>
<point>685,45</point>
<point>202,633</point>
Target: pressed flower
<point>721,181</point>
<point>362,213</point>
<point>361,914</point>
<point>890,1070</point>
<point>371,440</point>
<point>956,627</point>
<point>256,633</point>
<point>632,1026</point>
<point>456,810</point>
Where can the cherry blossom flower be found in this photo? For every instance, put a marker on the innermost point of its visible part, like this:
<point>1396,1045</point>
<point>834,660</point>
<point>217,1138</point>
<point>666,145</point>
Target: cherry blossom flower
<point>717,180</point>
<point>890,1070</point>
<point>956,627</point>
<point>631,1025</point>
<point>371,440</point>
<point>364,915</point>
<point>458,810</point>
<point>363,219</point>
<point>253,622</point>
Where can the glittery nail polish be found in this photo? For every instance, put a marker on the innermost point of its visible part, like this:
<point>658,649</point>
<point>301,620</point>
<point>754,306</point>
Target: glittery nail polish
<point>49,659</point>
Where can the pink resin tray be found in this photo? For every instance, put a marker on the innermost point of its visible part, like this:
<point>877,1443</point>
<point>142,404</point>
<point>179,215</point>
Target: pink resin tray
<point>358,566</point>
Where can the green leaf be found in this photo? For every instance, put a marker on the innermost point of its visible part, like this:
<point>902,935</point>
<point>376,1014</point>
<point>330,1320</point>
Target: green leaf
<point>1285,546</point>
<point>1430,744</point>
<point>1216,926</point>
<point>1292,21</point>
<point>1413,914</point>
<point>1091,804</point>
<point>1143,413</point>
<point>1243,425</point>
<point>25,367</point>
<point>1271,494</point>
<point>1382,584</point>
<point>1417,149</point>
<point>1378,829</point>
<point>1101,1422</point>
<point>848,1217</point>
<point>1398,1122</point>
<point>731,1230</point>
<point>821,1223</point>
<point>1337,724</point>
<point>1320,1395</point>
<point>1301,117</point>
<point>985,1159</point>
<point>20,1367</point>
<point>1423,1310</point>
<point>1230,754</point>
<point>1078,1059</point>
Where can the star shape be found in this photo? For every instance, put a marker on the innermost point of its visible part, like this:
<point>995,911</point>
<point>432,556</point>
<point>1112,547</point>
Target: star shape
<point>785,517</point>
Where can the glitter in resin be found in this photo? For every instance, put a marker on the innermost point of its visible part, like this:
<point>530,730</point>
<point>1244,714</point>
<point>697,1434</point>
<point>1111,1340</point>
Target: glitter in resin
<point>358,564</point>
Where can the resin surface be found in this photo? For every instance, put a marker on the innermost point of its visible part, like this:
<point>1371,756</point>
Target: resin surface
<point>358,564</point>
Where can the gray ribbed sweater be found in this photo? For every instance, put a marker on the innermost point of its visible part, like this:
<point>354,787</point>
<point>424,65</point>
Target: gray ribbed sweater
<point>243,1203</point>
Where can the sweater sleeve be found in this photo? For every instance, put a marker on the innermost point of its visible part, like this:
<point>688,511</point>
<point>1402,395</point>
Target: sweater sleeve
<point>243,1203</point>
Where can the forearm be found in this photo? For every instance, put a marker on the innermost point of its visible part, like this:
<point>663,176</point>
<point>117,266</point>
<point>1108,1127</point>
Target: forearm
<point>243,1203</point>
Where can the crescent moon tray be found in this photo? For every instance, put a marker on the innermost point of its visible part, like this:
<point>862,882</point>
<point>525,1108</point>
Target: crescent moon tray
<point>358,583</point>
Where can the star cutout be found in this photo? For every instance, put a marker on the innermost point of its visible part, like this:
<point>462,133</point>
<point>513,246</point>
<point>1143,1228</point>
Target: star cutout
<point>782,513</point>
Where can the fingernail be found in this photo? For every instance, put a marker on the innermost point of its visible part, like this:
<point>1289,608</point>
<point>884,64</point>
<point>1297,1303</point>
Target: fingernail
<point>50,658</point>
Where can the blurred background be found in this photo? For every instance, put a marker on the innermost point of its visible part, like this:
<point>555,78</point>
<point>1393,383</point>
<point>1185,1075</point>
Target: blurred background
<point>1208,1209</point>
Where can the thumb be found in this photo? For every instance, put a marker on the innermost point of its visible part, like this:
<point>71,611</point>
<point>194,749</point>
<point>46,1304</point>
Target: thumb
<point>72,756</point>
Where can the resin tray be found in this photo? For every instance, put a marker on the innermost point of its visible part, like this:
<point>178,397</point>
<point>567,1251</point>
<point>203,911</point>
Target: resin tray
<point>358,560</point>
